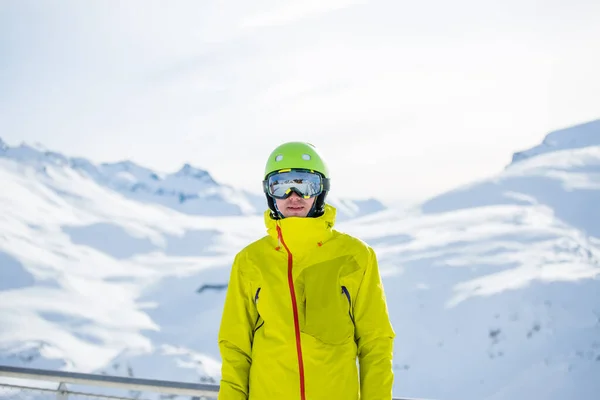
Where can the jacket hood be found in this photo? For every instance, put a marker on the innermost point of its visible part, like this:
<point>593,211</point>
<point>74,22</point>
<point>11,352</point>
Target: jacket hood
<point>302,233</point>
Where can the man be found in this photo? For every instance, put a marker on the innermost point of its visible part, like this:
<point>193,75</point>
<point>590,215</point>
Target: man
<point>305,301</point>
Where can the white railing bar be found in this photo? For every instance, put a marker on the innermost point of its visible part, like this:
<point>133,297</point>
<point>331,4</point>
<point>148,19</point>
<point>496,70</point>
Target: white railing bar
<point>168,387</point>
<point>58,389</point>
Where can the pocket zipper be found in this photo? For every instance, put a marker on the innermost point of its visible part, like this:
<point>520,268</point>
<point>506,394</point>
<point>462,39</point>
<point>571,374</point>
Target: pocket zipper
<point>345,292</point>
<point>258,318</point>
<point>256,296</point>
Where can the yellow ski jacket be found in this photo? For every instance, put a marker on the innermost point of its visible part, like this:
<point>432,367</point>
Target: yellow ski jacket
<point>303,304</point>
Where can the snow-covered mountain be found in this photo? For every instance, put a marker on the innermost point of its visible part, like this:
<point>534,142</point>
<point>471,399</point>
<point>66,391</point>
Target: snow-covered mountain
<point>493,288</point>
<point>190,190</point>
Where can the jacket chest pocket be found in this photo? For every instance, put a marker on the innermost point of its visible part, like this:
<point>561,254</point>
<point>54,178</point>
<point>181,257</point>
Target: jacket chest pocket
<point>328,304</point>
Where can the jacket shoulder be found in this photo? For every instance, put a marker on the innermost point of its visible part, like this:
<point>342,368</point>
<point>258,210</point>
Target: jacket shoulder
<point>247,259</point>
<point>256,247</point>
<point>354,245</point>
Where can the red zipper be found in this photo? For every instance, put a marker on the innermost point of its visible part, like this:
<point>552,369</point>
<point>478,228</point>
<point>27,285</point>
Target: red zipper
<point>296,320</point>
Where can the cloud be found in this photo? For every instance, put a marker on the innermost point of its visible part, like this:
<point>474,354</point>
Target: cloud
<point>425,95</point>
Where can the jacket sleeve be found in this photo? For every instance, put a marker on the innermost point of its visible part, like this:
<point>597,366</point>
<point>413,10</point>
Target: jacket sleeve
<point>235,337</point>
<point>374,335</point>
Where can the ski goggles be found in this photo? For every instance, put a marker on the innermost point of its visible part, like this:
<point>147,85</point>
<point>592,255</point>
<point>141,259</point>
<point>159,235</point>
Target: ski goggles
<point>305,183</point>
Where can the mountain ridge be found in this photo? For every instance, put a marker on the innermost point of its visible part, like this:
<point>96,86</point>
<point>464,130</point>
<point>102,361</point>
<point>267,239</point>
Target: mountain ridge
<point>571,137</point>
<point>190,189</point>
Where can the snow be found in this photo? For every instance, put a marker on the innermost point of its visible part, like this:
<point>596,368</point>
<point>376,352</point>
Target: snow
<point>493,288</point>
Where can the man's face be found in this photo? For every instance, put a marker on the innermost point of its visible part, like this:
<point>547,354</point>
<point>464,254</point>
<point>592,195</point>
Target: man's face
<point>295,206</point>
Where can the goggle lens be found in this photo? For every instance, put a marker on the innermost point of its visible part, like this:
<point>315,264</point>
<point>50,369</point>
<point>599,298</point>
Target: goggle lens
<point>307,184</point>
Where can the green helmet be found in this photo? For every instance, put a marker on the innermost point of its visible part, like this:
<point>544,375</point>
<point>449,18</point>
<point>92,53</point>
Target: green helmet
<point>296,155</point>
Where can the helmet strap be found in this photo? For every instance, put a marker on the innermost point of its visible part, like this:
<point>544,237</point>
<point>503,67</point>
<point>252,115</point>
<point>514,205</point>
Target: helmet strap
<point>318,207</point>
<point>275,214</point>
<point>279,213</point>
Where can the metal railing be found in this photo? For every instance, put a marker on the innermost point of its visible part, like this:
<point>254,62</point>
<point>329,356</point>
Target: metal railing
<point>131,387</point>
<point>135,386</point>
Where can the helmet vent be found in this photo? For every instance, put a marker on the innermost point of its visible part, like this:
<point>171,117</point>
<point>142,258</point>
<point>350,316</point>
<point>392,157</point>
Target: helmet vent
<point>306,157</point>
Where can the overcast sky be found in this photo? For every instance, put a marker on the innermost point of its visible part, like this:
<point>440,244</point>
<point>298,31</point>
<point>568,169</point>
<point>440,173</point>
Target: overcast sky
<point>406,99</point>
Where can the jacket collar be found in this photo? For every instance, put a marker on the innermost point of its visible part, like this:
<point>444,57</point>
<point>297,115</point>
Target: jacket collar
<point>302,234</point>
